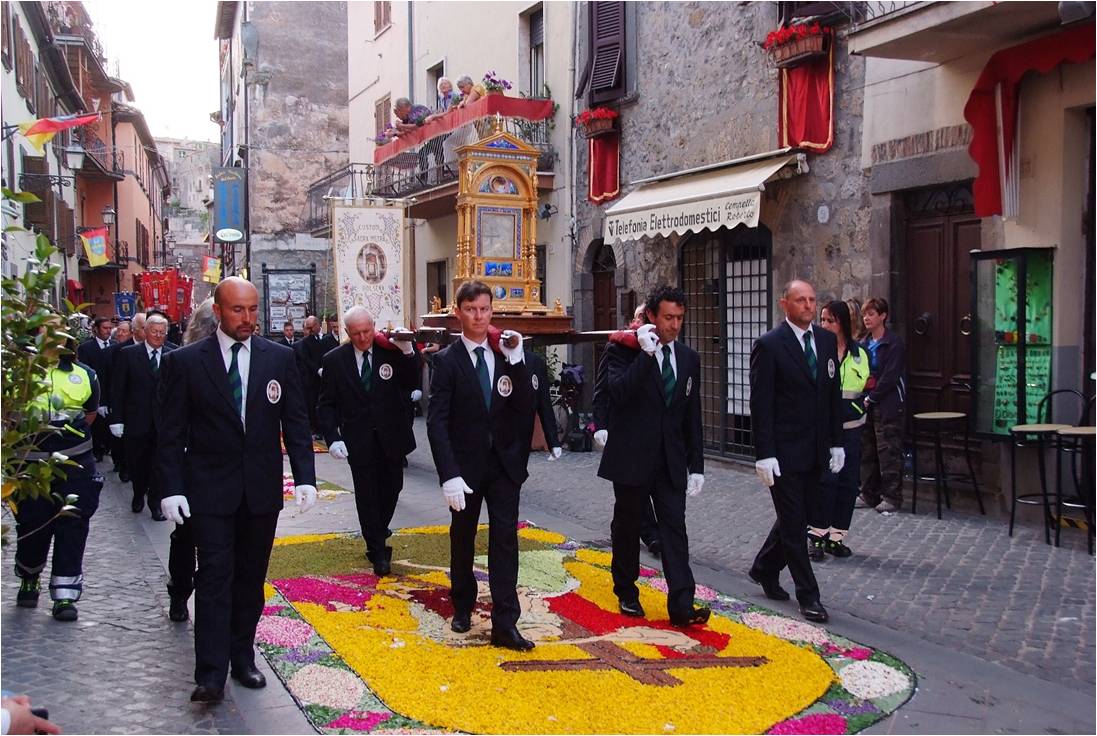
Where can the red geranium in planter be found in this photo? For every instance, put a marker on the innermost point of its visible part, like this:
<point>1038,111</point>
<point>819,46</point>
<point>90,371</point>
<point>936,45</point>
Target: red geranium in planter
<point>596,121</point>
<point>795,44</point>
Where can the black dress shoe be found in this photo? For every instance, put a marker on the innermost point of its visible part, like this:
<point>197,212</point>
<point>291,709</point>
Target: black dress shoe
<point>772,589</point>
<point>462,621</point>
<point>137,504</point>
<point>838,549</point>
<point>814,612</point>
<point>381,568</point>
<point>249,676</point>
<point>631,608</point>
<point>510,639</point>
<point>206,694</point>
<point>696,615</point>
<point>178,610</point>
<point>816,548</point>
<point>157,516</point>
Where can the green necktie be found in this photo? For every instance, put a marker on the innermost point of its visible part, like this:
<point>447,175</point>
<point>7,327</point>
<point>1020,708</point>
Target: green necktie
<point>482,374</point>
<point>367,372</point>
<point>154,362</point>
<point>234,378</point>
<point>668,376</point>
<point>809,353</point>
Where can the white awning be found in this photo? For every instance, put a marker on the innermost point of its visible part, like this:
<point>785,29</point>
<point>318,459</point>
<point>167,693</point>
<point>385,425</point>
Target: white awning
<point>705,200</point>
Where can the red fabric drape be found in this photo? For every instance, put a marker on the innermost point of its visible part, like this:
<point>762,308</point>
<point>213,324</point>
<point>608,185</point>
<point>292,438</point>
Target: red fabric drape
<point>508,107</point>
<point>805,113</point>
<point>604,168</point>
<point>1007,67</point>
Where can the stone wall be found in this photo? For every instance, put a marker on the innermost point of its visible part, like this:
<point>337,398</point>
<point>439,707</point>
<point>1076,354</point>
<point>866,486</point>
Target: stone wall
<point>297,97</point>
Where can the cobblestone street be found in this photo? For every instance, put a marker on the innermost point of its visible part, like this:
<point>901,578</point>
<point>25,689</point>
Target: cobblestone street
<point>1000,632</point>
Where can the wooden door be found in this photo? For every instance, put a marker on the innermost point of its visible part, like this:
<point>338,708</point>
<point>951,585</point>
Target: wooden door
<point>604,270</point>
<point>941,231</point>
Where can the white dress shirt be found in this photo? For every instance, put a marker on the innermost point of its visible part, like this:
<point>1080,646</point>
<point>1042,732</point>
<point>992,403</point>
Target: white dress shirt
<point>359,356</point>
<point>243,364</point>
<point>489,356</point>
<point>103,344</point>
<point>800,336</point>
<point>159,353</point>
<point>673,358</point>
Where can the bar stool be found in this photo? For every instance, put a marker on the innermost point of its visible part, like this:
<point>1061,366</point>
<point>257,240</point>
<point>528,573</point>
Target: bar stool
<point>938,422</point>
<point>1079,442</point>
<point>1042,433</point>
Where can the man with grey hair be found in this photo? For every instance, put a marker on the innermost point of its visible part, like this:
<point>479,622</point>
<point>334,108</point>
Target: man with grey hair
<point>138,327</point>
<point>135,380</point>
<point>363,417</point>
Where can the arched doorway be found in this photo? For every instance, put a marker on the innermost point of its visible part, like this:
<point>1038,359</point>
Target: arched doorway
<point>726,277</point>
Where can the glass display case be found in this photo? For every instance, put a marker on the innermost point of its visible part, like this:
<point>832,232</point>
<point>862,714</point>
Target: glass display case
<point>1011,332</point>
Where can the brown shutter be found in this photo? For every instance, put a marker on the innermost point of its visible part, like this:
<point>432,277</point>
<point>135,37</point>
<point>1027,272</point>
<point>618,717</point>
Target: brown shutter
<point>377,14</point>
<point>5,34</point>
<point>21,50</point>
<point>607,77</point>
<point>381,114</point>
<point>386,9</point>
<point>66,228</point>
<point>36,213</point>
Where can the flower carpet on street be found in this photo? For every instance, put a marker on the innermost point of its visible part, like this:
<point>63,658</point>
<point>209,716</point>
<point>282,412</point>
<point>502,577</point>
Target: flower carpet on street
<point>361,654</point>
<point>325,490</point>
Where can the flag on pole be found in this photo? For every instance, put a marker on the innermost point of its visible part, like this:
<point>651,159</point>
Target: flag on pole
<point>211,269</point>
<point>95,246</point>
<point>40,132</point>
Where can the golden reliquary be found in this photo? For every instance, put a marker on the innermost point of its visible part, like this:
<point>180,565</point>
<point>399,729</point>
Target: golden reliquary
<point>497,220</point>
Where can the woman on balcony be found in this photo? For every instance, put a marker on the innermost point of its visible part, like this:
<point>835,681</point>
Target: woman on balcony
<point>448,97</point>
<point>470,92</point>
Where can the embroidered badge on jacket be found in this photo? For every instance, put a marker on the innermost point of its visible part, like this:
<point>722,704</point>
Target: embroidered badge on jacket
<point>274,391</point>
<point>505,386</point>
<point>385,371</point>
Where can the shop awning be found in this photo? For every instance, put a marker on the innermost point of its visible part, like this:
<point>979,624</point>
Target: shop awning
<point>704,199</point>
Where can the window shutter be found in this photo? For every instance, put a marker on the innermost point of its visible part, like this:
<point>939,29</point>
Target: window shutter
<point>537,28</point>
<point>66,229</point>
<point>5,34</point>
<point>608,45</point>
<point>387,13</point>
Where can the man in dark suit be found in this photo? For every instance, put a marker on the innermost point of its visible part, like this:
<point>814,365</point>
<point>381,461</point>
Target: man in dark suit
<point>538,376</point>
<point>90,353</point>
<point>654,450</point>
<point>121,337</point>
<point>309,352</point>
<point>795,396</point>
<point>363,415</point>
<point>135,378</point>
<point>330,341</point>
<point>226,399</point>
<point>288,338</point>
<point>478,423</point>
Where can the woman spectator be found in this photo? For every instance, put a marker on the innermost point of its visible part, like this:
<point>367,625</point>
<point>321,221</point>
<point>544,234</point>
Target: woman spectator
<point>833,508</point>
<point>470,92</point>
<point>448,97</point>
<point>882,448</point>
<point>856,322</point>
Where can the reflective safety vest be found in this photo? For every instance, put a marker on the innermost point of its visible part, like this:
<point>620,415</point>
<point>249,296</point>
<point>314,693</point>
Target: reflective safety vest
<point>69,391</point>
<point>855,373</point>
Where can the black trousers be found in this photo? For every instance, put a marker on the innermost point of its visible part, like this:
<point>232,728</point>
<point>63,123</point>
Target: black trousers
<point>181,560</point>
<point>233,553</point>
<point>833,505</point>
<point>141,464</point>
<point>117,450</point>
<point>786,545</point>
<point>649,525</point>
<point>100,437</point>
<point>670,513</point>
<point>312,397</point>
<point>501,494</point>
<point>377,486</point>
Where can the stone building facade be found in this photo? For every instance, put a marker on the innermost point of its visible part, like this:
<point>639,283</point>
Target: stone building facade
<point>701,90</point>
<point>284,117</point>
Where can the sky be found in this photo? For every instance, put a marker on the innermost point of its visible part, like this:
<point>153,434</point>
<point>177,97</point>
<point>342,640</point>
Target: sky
<point>165,49</point>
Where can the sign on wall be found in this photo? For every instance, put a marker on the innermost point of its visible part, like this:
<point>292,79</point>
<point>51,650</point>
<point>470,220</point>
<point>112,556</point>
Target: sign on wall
<point>367,244</point>
<point>289,297</point>
<point>228,204</point>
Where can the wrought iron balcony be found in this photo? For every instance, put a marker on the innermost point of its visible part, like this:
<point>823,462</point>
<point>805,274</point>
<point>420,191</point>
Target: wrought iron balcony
<point>110,161</point>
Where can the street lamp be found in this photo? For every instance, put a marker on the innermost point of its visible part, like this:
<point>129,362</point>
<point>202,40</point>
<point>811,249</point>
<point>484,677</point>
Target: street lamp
<point>74,157</point>
<point>108,214</point>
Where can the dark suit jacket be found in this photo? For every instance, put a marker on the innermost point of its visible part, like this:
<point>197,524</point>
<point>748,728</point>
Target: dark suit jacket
<point>795,418</point>
<point>110,357</point>
<point>537,367</point>
<point>348,413</point>
<point>283,341</point>
<point>90,354</point>
<point>463,432</point>
<point>135,387</point>
<point>204,452</point>
<point>309,352</point>
<point>641,425</point>
<point>328,343</point>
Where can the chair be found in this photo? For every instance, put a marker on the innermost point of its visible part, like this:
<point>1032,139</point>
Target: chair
<point>939,422</point>
<point>1041,432</point>
<point>1078,442</point>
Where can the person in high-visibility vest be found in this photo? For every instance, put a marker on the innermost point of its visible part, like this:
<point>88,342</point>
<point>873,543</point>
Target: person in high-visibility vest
<point>71,401</point>
<point>828,520</point>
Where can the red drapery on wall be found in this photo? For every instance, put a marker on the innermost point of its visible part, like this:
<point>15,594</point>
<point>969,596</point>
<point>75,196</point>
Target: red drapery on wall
<point>604,167</point>
<point>805,107</point>
<point>1006,67</point>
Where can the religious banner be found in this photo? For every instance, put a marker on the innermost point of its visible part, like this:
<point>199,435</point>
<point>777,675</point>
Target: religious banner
<point>367,245</point>
<point>125,304</point>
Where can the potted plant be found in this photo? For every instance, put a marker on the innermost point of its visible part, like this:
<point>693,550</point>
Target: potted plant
<point>494,85</point>
<point>793,45</point>
<point>596,121</point>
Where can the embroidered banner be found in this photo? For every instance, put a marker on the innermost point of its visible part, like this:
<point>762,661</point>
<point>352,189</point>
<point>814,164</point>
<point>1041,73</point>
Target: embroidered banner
<point>367,246</point>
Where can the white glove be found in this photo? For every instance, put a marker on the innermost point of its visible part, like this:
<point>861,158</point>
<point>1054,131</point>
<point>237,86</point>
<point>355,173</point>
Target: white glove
<point>407,347</point>
<point>320,372</point>
<point>175,508</point>
<point>555,453</point>
<point>837,459</point>
<point>117,430</point>
<point>454,490</point>
<point>305,496</point>
<point>694,484</point>
<point>601,437</point>
<point>338,450</point>
<point>513,355</point>
<point>647,338</point>
<point>103,411</point>
<point>768,470</point>
<point>416,395</point>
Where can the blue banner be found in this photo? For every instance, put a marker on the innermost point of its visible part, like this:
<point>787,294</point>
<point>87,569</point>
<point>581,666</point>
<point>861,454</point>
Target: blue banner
<point>228,204</point>
<point>125,304</point>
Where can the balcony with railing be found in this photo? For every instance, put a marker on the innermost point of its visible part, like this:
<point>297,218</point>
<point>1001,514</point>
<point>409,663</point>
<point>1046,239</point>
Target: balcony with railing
<point>420,167</point>
<point>101,161</point>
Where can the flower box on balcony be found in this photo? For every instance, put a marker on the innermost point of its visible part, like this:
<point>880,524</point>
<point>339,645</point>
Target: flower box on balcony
<point>596,122</point>
<point>794,45</point>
